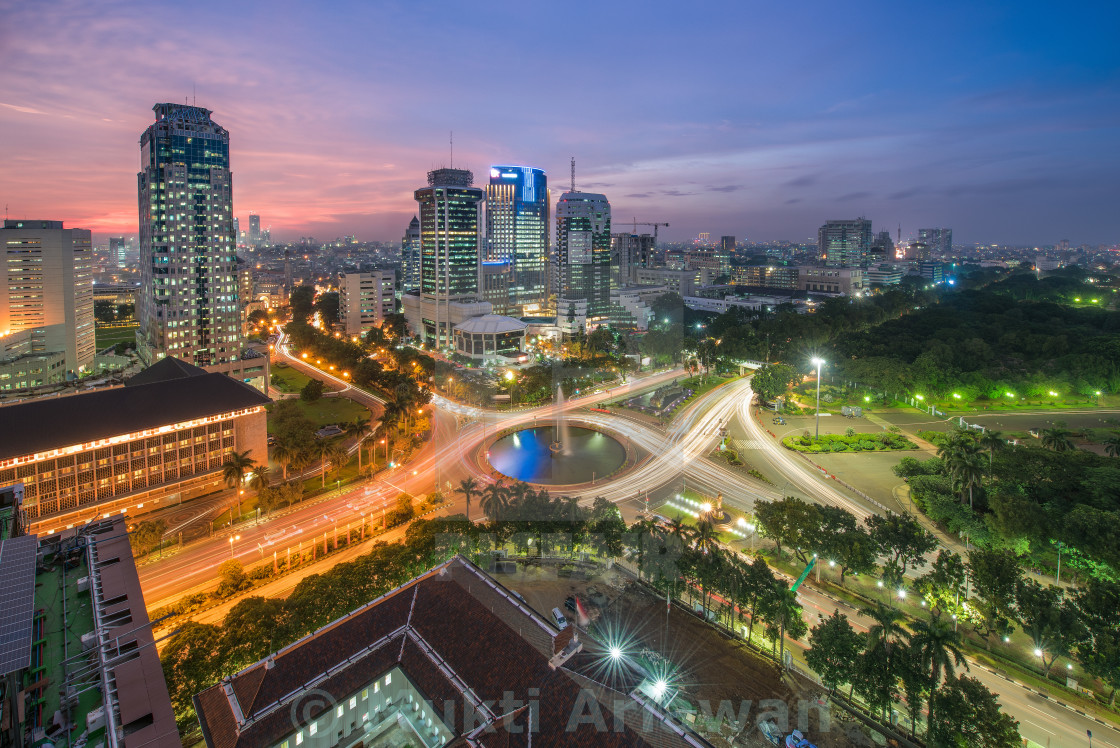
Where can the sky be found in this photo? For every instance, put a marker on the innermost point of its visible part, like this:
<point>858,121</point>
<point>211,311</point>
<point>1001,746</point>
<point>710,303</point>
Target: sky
<point>1000,120</point>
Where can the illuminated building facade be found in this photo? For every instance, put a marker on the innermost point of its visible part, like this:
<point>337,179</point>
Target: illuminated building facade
<point>450,251</point>
<point>161,438</point>
<point>845,243</point>
<point>46,302</point>
<point>517,206</point>
<point>188,304</point>
<point>583,257</point>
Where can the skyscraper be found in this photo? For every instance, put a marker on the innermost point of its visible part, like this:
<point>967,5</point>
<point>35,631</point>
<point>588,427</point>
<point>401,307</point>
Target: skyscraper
<point>583,258</point>
<point>254,229</point>
<point>410,257</point>
<point>845,243</point>
<point>118,251</point>
<point>517,203</point>
<point>629,253</point>
<point>188,301</point>
<point>450,253</point>
<point>940,241</point>
<point>46,298</point>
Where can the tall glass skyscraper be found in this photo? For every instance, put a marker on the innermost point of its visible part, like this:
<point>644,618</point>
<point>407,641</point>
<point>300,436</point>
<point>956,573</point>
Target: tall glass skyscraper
<point>517,205</point>
<point>845,243</point>
<point>188,301</point>
<point>583,255</point>
<point>450,254</point>
<point>410,257</point>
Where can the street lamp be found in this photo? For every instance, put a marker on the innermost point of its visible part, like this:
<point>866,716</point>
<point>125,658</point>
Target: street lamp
<point>231,539</point>
<point>818,362</point>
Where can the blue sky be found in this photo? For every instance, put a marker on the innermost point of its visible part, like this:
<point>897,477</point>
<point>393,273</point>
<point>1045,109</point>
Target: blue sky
<point>999,120</point>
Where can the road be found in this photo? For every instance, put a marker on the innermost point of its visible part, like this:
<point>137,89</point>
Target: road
<point>674,456</point>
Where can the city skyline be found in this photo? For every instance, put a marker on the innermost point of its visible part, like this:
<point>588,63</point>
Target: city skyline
<point>747,121</point>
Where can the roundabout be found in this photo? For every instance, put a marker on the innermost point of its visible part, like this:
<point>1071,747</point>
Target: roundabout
<point>537,455</point>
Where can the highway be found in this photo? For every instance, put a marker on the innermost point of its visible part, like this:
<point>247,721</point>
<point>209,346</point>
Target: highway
<point>675,455</point>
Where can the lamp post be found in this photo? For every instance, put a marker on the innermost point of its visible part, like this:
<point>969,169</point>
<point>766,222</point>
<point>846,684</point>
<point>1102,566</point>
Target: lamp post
<point>818,362</point>
<point>231,539</point>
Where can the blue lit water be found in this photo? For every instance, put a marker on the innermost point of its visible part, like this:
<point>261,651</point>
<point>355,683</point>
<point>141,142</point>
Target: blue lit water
<point>525,455</point>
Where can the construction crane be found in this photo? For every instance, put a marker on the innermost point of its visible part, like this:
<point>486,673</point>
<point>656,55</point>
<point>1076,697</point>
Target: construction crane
<point>655,227</point>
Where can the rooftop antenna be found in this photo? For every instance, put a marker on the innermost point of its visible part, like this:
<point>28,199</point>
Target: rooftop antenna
<point>573,173</point>
<point>194,96</point>
<point>899,233</point>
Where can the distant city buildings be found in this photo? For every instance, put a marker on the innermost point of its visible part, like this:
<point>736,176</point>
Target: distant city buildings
<point>46,304</point>
<point>254,229</point>
<point>188,303</point>
<point>629,253</point>
<point>939,241</point>
<point>583,259</point>
<point>365,299</point>
<point>517,217</point>
<point>844,243</point>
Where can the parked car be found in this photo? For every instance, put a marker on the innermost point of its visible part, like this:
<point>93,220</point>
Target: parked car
<point>561,621</point>
<point>570,603</point>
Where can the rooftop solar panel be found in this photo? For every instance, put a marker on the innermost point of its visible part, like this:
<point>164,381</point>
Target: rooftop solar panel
<point>17,602</point>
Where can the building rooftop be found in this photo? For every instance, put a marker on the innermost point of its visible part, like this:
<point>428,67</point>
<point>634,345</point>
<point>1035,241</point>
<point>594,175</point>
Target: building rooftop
<point>490,324</point>
<point>167,392</point>
<point>466,645</point>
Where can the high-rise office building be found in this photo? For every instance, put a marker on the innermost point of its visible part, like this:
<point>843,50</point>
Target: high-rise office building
<point>188,302</point>
<point>583,258</point>
<point>365,298</point>
<point>727,245</point>
<point>118,251</point>
<point>410,257</point>
<point>254,229</point>
<point>46,301</point>
<point>450,251</point>
<point>236,230</point>
<point>629,253</point>
<point>845,243</point>
<point>517,204</point>
<point>940,241</point>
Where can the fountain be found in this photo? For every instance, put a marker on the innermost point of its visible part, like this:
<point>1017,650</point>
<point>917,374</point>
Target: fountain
<point>563,441</point>
<point>558,454</point>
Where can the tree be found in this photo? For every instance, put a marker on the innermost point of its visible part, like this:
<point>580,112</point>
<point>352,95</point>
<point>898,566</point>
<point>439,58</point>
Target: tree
<point>964,712</point>
<point>284,453</point>
<point>778,606</point>
<point>247,630</point>
<point>326,304</point>
<point>833,646</point>
<point>232,578</point>
<point>495,502</point>
<point>937,646</point>
<point>357,430</point>
<point>992,441</point>
<point>943,585</point>
<point>1112,445</point>
<point>104,311</point>
<point>233,472</point>
<point>772,380</point>
<point>791,521</point>
<point>901,538</point>
<point>995,575</point>
<point>1098,642</point>
<point>842,540</point>
<point>967,471</point>
<point>302,302</point>
<point>1050,620</point>
<point>147,534</point>
<point>192,661</point>
<point>468,487</point>
<point>311,391</point>
<point>878,668</point>
<point>1057,439</point>
<point>259,478</point>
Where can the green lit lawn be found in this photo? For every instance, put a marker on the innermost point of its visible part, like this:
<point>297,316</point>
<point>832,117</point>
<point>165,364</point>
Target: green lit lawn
<point>328,410</point>
<point>106,337</point>
<point>287,379</point>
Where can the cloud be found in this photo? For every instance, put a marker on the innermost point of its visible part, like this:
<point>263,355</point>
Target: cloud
<point>793,200</point>
<point>727,188</point>
<point>25,109</point>
<point>805,180</point>
<point>638,194</point>
<point>676,193</point>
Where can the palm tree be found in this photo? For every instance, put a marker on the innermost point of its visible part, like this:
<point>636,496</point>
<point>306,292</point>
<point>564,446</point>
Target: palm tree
<point>260,478</point>
<point>991,441</point>
<point>468,487</point>
<point>680,530</point>
<point>706,537</point>
<point>234,469</point>
<point>1057,439</point>
<point>339,457</point>
<point>357,430</point>
<point>324,449</point>
<point>285,454</point>
<point>494,501</point>
<point>1112,445</point>
<point>883,636</point>
<point>967,470</point>
<point>938,647</point>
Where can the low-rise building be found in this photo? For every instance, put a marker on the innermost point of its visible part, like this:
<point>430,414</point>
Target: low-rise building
<point>449,658</point>
<point>490,337</point>
<point>159,439</point>
<point>883,275</point>
<point>831,280</point>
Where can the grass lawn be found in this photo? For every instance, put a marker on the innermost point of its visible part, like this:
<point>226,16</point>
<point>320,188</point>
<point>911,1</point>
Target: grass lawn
<point>328,410</point>
<point>106,337</point>
<point>287,379</point>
